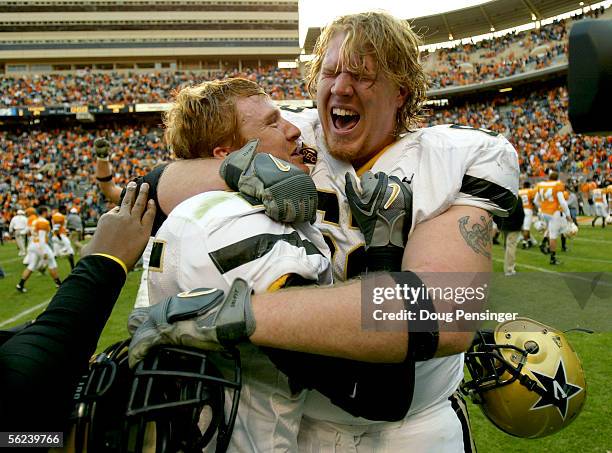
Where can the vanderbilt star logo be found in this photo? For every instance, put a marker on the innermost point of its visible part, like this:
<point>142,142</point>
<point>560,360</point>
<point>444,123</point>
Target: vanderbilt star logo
<point>558,390</point>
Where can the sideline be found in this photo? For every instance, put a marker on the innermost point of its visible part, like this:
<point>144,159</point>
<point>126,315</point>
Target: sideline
<point>25,312</point>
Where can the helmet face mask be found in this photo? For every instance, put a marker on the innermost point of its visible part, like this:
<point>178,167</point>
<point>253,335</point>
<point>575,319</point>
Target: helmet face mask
<point>526,378</point>
<point>172,401</point>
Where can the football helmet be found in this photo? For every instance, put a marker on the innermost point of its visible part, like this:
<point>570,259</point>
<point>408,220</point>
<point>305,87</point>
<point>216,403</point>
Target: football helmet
<point>526,378</point>
<point>539,225</point>
<point>172,401</point>
<point>570,229</point>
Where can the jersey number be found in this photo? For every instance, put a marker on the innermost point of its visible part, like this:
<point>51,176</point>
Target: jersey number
<point>330,206</point>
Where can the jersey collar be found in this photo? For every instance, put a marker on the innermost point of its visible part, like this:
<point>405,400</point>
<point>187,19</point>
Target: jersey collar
<point>370,163</point>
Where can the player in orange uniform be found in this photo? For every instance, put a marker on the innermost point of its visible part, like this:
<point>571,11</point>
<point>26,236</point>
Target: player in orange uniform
<point>61,243</point>
<point>552,205</point>
<point>39,250</point>
<point>526,195</point>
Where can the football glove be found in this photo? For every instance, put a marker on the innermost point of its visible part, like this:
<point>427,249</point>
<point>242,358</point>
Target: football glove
<point>383,212</point>
<point>102,148</point>
<point>287,193</point>
<point>201,318</point>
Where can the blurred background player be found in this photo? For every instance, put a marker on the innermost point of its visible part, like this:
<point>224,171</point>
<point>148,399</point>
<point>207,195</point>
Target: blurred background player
<point>550,201</point>
<point>39,250</point>
<point>600,205</point>
<point>511,226</point>
<point>526,194</point>
<point>74,224</point>
<point>18,228</point>
<point>573,205</point>
<point>59,240</point>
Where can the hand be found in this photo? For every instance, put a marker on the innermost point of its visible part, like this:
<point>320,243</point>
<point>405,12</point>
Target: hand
<point>124,231</point>
<point>202,318</point>
<point>288,194</point>
<point>102,148</point>
<point>383,212</point>
<point>136,318</point>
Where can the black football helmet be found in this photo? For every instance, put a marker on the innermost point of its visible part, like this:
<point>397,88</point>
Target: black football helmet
<point>173,401</point>
<point>526,378</point>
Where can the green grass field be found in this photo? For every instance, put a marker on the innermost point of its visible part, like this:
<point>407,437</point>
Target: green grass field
<point>589,252</point>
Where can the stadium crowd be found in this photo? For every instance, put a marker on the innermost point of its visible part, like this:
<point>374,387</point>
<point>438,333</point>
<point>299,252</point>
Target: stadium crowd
<point>464,64</point>
<point>55,166</point>
<point>86,87</point>
<point>538,127</point>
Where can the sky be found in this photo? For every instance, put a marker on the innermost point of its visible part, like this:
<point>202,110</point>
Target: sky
<point>316,13</point>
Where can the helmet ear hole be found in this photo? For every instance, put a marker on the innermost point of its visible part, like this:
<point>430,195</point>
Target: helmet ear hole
<point>531,347</point>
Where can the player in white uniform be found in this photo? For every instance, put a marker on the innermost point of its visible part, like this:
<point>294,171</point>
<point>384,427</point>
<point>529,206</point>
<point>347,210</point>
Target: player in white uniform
<point>600,202</point>
<point>467,160</point>
<point>459,176</point>
<point>213,238</point>
<point>19,228</point>
<point>208,241</point>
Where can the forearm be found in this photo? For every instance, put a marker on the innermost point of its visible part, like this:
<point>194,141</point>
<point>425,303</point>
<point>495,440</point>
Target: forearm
<point>183,179</point>
<point>104,177</point>
<point>324,321</point>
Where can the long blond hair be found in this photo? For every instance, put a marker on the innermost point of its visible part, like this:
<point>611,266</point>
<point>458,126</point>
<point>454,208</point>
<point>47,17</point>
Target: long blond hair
<point>393,45</point>
<point>204,116</point>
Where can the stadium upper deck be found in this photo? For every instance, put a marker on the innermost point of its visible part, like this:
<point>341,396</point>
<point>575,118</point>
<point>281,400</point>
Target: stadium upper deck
<point>51,35</point>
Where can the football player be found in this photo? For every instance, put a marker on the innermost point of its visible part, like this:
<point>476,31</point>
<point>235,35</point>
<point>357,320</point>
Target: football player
<point>39,250</point>
<point>369,88</point>
<point>61,244</point>
<point>600,204</point>
<point>526,195</point>
<point>551,202</point>
<point>213,238</point>
<point>19,229</point>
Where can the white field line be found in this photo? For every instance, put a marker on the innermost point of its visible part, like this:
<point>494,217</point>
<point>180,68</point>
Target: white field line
<point>23,313</point>
<point>566,274</point>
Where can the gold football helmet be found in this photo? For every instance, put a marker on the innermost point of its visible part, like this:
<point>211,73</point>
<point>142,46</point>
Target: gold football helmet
<point>526,378</point>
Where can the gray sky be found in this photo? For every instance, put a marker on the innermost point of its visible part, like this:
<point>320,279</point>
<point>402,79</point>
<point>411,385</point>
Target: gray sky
<point>319,12</point>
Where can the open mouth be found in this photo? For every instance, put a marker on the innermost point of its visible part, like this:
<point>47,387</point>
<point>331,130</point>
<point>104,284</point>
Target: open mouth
<point>344,120</point>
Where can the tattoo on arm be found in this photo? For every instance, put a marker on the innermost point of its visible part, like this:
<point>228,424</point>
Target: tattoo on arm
<point>479,237</point>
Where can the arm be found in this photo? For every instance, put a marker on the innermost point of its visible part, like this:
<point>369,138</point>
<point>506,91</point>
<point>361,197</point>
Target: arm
<point>328,321</point>
<point>110,190</point>
<point>104,171</point>
<point>563,204</point>
<point>183,179</point>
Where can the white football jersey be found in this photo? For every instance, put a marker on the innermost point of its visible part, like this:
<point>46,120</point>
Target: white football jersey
<point>208,241</point>
<point>447,165</point>
<point>212,238</point>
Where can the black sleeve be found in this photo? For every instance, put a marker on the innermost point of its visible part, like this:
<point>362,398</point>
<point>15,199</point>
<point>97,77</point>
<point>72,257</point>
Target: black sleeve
<point>40,365</point>
<point>153,179</point>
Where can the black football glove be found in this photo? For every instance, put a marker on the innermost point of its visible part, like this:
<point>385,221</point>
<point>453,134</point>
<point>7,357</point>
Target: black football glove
<point>383,212</point>
<point>102,148</point>
<point>288,194</point>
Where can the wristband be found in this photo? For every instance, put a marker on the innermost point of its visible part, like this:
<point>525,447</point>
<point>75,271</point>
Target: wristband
<point>104,178</point>
<point>422,344</point>
<point>104,159</point>
<point>115,259</point>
